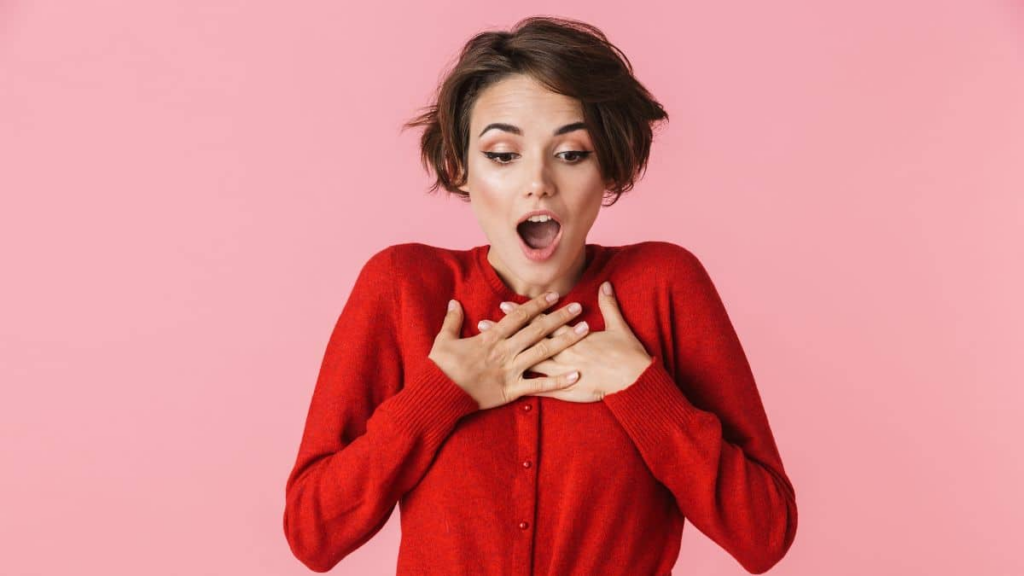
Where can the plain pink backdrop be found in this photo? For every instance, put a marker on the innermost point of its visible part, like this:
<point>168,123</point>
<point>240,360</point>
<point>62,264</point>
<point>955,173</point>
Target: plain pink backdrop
<point>190,188</point>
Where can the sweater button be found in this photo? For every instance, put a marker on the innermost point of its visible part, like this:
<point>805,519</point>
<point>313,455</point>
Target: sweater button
<point>527,407</point>
<point>524,525</point>
<point>527,464</point>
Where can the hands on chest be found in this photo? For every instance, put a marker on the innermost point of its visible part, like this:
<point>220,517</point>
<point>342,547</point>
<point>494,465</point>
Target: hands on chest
<point>491,365</point>
<point>608,361</point>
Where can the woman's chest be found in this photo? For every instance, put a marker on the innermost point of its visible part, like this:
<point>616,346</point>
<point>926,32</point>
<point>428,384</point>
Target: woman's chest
<point>511,450</point>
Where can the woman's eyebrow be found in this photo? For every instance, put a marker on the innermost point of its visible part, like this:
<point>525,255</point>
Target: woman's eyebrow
<point>516,130</point>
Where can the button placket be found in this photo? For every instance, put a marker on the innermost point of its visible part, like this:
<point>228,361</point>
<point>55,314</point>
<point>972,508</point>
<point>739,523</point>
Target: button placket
<point>525,484</point>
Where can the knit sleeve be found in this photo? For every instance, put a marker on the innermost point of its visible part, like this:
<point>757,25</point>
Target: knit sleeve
<point>704,432</point>
<point>367,439</point>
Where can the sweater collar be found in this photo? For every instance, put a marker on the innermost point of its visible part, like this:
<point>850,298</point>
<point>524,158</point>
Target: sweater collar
<point>586,283</point>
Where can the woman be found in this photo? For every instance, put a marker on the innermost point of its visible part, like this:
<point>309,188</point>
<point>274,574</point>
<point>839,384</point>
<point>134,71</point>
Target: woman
<point>641,412</point>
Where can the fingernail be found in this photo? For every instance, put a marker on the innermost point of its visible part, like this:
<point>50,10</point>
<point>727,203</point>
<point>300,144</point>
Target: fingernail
<point>607,288</point>
<point>572,377</point>
<point>482,325</point>
<point>575,307</point>
<point>451,305</point>
<point>581,327</point>
<point>552,296</point>
<point>506,307</point>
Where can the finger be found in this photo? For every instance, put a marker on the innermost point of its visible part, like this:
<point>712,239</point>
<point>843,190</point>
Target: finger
<point>561,330</point>
<point>610,307</point>
<point>452,326</point>
<point>548,367</point>
<point>487,324</point>
<point>527,386</point>
<point>535,333</point>
<point>523,314</point>
<point>507,307</point>
<point>548,347</point>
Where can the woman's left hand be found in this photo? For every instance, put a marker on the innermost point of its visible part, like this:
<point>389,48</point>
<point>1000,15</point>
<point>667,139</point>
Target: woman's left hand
<point>608,361</point>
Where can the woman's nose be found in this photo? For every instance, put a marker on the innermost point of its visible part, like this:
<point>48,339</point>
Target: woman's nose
<point>540,183</point>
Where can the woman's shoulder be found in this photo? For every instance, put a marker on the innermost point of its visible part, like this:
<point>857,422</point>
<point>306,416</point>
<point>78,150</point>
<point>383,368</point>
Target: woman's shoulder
<point>415,262</point>
<point>408,252</point>
<point>660,256</point>
<point>668,268</point>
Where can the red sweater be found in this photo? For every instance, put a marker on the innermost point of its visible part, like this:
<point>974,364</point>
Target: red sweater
<point>541,485</point>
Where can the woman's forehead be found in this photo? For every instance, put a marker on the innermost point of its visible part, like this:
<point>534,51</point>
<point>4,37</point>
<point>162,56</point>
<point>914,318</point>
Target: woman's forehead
<point>520,100</point>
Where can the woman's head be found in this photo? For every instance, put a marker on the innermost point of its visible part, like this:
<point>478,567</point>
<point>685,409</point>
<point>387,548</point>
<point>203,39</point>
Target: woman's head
<point>546,116</point>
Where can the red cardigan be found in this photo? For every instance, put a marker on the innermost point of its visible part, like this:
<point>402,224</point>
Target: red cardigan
<point>541,485</point>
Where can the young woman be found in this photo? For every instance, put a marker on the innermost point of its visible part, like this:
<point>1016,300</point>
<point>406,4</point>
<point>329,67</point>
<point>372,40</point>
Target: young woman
<point>545,423</point>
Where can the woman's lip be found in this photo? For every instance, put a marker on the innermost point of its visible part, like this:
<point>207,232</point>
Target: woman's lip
<point>532,213</point>
<point>540,254</point>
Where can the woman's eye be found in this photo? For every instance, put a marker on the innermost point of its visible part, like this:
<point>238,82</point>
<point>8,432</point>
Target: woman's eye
<point>500,157</point>
<point>570,156</point>
<point>578,155</point>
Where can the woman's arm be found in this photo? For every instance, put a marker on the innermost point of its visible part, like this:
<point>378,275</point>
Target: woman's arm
<point>367,440</point>
<point>719,460</point>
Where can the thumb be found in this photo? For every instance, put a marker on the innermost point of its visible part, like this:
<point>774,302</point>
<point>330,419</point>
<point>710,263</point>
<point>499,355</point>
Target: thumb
<point>452,326</point>
<point>610,307</point>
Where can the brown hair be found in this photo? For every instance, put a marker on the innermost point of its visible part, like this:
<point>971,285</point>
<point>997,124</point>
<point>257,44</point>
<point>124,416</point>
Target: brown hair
<point>567,56</point>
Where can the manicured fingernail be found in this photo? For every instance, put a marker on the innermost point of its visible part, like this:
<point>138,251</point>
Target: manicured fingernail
<point>506,307</point>
<point>552,296</point>
<point>575,307</point>
<point>451,305</point>
<point>607,288</point>
<point>482,325</point>
<point>581,327</point>
<point>572,377</point>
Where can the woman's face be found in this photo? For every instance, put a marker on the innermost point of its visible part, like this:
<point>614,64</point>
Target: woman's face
<point>528,150</point>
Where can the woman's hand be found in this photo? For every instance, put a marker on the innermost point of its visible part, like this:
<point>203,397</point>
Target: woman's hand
<point>608,361</point>
<point>490,365</point>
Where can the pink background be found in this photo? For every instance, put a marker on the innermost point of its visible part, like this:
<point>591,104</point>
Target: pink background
<point>189,189</point>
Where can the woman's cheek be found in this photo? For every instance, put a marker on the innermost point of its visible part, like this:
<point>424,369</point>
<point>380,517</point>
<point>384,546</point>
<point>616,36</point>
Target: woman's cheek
<point>494,181</point>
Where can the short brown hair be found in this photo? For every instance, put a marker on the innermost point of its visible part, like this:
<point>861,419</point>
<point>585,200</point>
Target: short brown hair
<point>568,57</point>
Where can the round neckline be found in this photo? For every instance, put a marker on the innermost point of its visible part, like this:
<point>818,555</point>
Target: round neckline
<point>590,267</point>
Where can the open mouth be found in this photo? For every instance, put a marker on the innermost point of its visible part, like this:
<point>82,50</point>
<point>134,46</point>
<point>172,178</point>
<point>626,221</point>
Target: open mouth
<point>538,235</point>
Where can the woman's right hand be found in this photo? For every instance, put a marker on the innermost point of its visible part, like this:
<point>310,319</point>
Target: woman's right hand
<point>490,365</point>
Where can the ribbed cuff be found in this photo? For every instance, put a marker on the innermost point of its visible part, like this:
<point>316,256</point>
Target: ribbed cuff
<point>651,405</point>
<point>430,404</point>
